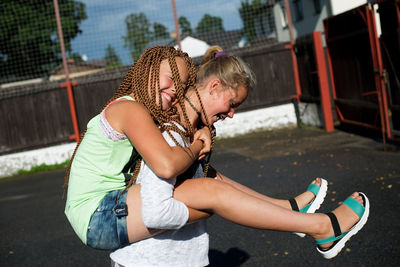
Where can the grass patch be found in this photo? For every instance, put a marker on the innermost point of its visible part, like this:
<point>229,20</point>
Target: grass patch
<point>44,167</point>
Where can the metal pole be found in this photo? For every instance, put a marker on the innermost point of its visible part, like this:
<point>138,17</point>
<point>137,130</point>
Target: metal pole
<point>378,71</point>
<point>66,71</point>
<point>290,23</point>
<point>323,82</point>
<point>178,35</point>
<point>291,47</point>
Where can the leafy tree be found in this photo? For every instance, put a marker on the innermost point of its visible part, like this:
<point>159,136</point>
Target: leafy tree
<point>209,24</point>
<point>160,31</point>
<point>184,25</point>
<point>111,58</point>
<point>29,44</point>
<point>76,57</point>
<point>247,10</point>
<point>138,34</point>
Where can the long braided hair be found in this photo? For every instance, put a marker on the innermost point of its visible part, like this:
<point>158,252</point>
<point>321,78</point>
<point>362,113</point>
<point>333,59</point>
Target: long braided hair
<point>144,74</point>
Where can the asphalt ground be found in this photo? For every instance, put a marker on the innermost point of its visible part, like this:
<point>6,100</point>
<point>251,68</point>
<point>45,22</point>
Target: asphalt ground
<point>280,163</point>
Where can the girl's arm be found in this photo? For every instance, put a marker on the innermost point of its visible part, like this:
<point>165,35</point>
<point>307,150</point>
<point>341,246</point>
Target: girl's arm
<point>133,120</point>
<point>159,209</point>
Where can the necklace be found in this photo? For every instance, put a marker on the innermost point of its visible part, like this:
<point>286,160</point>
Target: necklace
<point>193,107</point>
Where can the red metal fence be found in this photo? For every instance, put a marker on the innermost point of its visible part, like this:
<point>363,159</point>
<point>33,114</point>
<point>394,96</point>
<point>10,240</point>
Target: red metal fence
<point>358,72</point>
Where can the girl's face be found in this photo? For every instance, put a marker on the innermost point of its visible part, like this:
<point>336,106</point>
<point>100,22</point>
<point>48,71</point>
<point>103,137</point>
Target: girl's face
<point>167,87</point>
<point>223,102</point>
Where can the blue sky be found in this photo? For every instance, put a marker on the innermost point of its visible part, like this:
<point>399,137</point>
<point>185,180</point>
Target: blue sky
<point>105,23</point>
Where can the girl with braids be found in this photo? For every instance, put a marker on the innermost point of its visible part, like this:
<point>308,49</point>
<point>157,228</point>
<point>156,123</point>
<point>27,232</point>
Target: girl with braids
<point>126,130</point>
<point>222,85</point>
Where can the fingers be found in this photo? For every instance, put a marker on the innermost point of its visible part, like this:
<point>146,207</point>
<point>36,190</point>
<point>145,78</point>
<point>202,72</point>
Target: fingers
<point>205,136</point>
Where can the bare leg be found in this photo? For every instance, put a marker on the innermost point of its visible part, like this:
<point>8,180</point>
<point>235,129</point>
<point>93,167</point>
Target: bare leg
<point>302,200</point>
<point>136,228</point>
<point>242,208</point>
<point>239,207</point>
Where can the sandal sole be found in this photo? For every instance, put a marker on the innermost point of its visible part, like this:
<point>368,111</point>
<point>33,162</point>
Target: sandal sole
<point>334,251</point>
<point>319,199</point>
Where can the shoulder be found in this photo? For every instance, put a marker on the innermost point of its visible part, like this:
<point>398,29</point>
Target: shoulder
<point>126,108</point>
<point>122,113</point>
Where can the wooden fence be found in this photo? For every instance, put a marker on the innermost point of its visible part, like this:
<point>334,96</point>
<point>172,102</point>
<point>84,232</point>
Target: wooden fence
<point>38,115</point>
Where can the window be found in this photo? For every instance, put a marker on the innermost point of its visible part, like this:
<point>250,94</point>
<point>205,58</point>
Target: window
<point>298,9</point>
<point>317,6</point>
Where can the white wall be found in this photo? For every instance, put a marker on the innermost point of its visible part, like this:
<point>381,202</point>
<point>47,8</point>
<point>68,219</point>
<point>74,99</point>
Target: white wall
<point>340,6</point>
<point>242,123</point>
<point>311,21</point>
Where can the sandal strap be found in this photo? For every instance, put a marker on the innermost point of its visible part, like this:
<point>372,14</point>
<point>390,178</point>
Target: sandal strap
<point>330,239</point>
<point>293,203</point>
<point>305,209</point>
<point>313,188</point>
<point>356,206</point>
<point>335,224</point>
<point>336,230</point>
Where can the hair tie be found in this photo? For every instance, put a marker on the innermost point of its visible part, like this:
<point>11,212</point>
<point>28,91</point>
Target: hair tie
<point>220,54</point>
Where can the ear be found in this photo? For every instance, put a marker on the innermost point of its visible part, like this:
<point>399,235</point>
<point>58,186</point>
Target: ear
<point>214,85</point>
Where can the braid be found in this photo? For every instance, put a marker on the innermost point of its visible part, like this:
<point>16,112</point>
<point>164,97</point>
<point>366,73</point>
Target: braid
<point>66,180</point>
<point>209,128</point>
<point>134,176</point>
<point>145,74</point>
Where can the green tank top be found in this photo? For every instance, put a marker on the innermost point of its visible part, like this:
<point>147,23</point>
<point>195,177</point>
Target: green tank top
<point>96,170</point>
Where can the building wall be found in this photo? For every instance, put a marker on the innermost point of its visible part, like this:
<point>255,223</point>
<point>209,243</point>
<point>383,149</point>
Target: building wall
<point>311,20</point>
<point>340,6</point>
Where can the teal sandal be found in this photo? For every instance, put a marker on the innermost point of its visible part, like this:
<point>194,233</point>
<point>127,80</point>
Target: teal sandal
<point>319,192</point>
<point>340,238</point>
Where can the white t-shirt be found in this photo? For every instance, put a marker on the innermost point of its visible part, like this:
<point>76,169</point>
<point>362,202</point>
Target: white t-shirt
<point>186,246</point>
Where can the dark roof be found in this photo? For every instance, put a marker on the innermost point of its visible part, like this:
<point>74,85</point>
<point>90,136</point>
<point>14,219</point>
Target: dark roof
<point>74,66</point>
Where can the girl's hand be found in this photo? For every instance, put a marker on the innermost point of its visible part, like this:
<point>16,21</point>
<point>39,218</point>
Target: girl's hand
<point>204,136</point>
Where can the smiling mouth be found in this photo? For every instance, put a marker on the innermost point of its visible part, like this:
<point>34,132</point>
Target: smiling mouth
<point>167,96</point>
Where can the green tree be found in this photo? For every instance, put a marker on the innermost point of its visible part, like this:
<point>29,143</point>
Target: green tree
<point>209,24</point>
<point>111,58</point>
<point>138,34</point>
<point>76,57</point>
<point>184,25</point>
<point>247,10</point>
<point>160,31</point>
<point>29,45</point>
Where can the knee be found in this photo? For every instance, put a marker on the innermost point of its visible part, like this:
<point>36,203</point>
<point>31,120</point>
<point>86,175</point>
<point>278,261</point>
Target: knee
<point>215,187</point>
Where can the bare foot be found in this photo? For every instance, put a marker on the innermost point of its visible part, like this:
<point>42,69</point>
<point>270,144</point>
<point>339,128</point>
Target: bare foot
<point>346,217</point>
<point>306,197</point>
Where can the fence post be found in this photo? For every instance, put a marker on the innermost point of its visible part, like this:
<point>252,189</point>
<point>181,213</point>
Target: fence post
<point>67,83</point>
<point>178,34</point>
<point>378,71</point>
<point>291,47</point>
<point>323,82</point>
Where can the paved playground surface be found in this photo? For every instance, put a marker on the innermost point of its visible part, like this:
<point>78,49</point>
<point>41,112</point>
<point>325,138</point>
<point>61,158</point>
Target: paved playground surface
<point>279,163</point>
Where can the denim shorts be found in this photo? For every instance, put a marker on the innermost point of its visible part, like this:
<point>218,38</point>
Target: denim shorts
<point>107,228</point>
